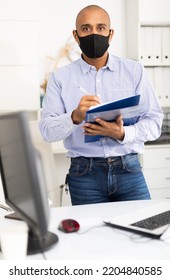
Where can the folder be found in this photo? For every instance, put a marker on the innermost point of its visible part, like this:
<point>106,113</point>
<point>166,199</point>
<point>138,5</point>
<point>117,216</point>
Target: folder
<point>127,107</point>
<point>150,73</point>
<point>166,45</point>
<point>157,45</point>
<point>158,84</point>
<point>166,85</point>
<point>147,45</point>
<point>142,45</point>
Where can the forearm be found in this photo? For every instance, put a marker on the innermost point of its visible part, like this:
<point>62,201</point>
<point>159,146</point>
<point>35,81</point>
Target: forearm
<point>55,128</point>
<point>143,131</point>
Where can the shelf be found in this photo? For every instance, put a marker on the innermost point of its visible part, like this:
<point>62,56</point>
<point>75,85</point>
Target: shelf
<point>155,24</point>
<point>155,65</point>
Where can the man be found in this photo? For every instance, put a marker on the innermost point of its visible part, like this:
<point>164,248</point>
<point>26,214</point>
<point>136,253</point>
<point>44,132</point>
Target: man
<point>108,169</point>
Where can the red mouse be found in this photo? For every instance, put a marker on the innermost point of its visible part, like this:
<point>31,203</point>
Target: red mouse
<point>69,225</point>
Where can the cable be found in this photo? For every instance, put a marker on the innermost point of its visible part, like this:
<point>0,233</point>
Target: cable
<point>44,256</point>
<point>93,227</point>
<point>41,248</point>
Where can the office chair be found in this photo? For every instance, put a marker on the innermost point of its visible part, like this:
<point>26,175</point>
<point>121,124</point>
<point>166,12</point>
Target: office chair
<point>46,152</point>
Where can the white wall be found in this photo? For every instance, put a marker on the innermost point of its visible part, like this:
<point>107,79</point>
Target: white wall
<point>156,11</point>
<point>19,71</point>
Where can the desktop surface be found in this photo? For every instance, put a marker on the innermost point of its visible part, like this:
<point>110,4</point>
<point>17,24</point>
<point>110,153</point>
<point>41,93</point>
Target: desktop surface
<point>96,241</point>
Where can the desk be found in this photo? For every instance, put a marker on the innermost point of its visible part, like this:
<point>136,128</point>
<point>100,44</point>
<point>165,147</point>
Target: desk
<point>102,242</point>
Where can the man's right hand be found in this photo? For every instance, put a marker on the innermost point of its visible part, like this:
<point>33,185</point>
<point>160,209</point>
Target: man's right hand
<point>78,115</point>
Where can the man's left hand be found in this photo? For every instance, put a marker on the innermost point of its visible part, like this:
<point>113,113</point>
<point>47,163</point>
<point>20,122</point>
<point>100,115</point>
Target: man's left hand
<point>113,130</point>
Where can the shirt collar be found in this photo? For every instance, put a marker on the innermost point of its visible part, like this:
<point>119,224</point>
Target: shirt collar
<point>111,64</point>
<point>86,67</point>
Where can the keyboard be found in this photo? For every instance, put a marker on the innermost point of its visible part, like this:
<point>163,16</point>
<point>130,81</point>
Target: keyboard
<point>154,222</point>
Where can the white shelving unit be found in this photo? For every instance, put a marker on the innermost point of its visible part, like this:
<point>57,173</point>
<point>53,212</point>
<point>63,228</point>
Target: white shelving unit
<point>148,41</point>
<point>156,168</point>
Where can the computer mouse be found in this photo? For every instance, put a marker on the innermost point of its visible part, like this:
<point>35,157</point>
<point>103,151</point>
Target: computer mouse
<point>69,225</point>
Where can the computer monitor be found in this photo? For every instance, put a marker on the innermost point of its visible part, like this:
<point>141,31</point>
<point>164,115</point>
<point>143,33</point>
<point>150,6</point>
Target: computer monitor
<point>23,180</point>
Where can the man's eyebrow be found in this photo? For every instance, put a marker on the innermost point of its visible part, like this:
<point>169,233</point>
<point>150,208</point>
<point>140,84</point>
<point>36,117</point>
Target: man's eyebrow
<point>103,24</point>
<point>89,25</point>
<point>85,25</point>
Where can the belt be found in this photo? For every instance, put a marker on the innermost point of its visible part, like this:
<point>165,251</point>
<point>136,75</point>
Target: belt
<point>101,159</point>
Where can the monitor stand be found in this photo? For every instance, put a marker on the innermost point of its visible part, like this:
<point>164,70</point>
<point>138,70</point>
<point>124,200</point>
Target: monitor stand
<point>37,244</point>
<point>13,216</point>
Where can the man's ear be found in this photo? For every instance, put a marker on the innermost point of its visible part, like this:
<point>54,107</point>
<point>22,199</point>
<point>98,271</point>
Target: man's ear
<point>111,34</point>
<point>75,36</point>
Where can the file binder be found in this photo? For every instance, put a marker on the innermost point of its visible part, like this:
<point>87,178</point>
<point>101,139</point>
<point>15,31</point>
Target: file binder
<point>166,45</point>
<point>147,45</point>
<point>157,45</point>
<point>127,107</point>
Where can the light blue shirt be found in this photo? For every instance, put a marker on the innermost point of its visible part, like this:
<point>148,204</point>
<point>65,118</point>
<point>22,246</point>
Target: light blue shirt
<point>119,78</point>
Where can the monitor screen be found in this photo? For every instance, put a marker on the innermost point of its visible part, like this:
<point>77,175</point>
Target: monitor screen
<point>23,180</point>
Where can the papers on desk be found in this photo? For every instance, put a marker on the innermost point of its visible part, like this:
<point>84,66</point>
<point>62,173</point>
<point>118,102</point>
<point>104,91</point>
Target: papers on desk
<point>127,107</point>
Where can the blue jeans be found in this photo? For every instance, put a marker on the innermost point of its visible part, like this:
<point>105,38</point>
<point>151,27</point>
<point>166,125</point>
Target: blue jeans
<point>97,180</point>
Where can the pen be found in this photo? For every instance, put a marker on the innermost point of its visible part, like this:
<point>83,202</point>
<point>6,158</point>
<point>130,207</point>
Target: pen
<point>82,89</point>
<point>85,91</point>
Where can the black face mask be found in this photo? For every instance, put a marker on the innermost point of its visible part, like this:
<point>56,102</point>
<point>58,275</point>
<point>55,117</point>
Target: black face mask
<point>94,45</point>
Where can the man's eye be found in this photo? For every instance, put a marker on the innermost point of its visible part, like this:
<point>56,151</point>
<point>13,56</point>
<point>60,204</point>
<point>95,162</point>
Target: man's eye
<point>101,28</point>
<point>85,29</point>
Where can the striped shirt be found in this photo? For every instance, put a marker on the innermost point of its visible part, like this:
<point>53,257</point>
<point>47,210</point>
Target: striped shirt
<point>119,78</point>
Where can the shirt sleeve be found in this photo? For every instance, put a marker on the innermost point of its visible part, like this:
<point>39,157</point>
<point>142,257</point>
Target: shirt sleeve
<point>55,123</point>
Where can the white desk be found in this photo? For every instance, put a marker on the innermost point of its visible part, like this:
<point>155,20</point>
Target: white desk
<point>102,243</point>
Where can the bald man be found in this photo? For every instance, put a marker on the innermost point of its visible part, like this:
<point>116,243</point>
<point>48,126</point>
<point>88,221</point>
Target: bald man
<point>106,170</point>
